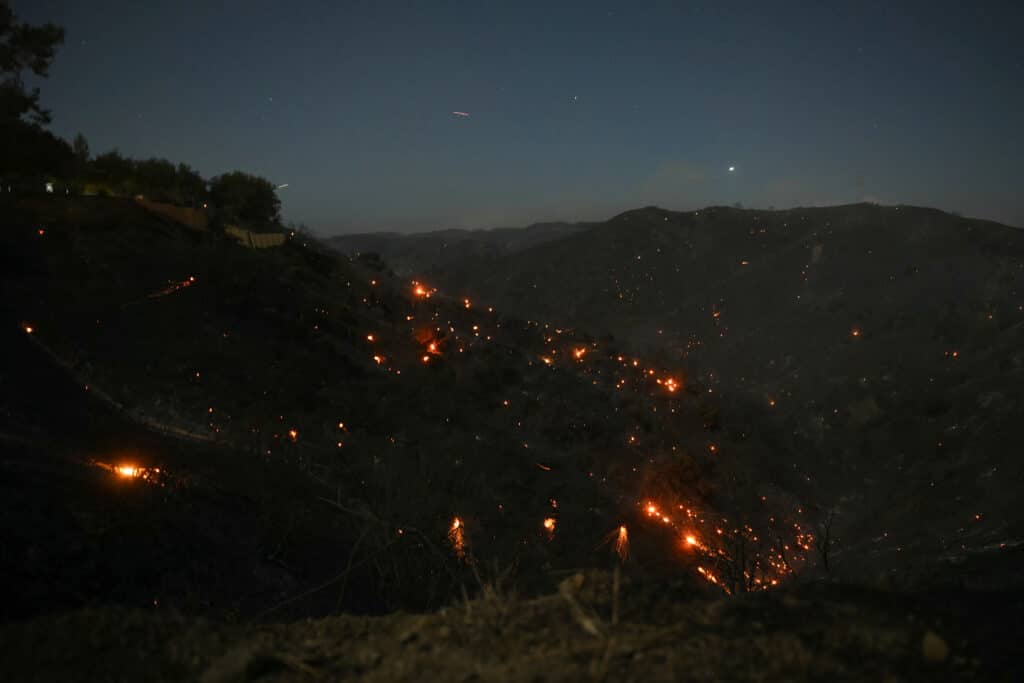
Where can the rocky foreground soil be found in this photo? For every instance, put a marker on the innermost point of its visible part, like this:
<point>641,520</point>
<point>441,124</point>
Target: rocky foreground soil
<point>581,633</point>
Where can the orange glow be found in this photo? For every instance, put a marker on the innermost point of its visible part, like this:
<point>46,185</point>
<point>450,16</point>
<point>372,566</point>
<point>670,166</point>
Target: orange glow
<point>127,471</point>
<point>466,303</point>
<point>671,385</point>
<point>28,329</point>
<point>369,338</point>
<point>41,232</point>
<point>457,538</point>
<point>622,544</point>
<point>378,359</point>
<point>692,541</point>
<point>421,292</point>
<point>549,525</point>
<point>425,359</point>
<point>855,332</point>
<point>547,361</point>
<point>579,352</point>
<point>293,434</point>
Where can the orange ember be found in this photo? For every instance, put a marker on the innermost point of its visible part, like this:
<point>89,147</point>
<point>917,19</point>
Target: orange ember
<point>127,471</point>
<point>457,538</point>
<point>622,544</point>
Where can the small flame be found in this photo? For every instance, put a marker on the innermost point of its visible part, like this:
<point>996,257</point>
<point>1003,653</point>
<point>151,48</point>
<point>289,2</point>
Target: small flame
<point>622,544</point>
<point>457,538</point>
<point>127,471</point>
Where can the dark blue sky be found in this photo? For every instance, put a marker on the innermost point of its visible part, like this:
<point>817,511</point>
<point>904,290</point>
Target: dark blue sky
<point>577,109</point>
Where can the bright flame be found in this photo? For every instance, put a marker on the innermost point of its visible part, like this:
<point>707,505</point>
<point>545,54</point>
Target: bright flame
<point>127,471</point>
<point>578,353</point>
<point>293,434</point>
<point>456,536</point>
<point>549,525</point>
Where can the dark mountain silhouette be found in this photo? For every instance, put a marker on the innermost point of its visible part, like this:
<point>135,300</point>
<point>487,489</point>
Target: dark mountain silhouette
<point>418,251</point>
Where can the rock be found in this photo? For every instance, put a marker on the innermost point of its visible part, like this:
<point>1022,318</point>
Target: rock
<point>934,647</point>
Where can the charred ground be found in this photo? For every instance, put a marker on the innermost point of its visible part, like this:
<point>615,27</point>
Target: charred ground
<point>308,433</point>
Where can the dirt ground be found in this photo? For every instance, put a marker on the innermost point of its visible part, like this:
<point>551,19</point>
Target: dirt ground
<point>650,633</point>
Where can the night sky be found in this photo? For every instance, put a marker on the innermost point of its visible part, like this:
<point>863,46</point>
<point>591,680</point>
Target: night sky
<point>577,110</point>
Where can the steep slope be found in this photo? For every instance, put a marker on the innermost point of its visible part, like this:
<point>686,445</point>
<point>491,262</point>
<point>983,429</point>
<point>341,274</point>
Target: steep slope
<point>417,440</point>
<point>884,340</point>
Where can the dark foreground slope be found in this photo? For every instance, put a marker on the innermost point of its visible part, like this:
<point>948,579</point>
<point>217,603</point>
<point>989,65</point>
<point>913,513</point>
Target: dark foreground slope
<point>886,342</point>
<point>811,633</point>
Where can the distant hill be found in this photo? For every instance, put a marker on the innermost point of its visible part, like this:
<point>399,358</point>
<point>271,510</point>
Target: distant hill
<point>887,341</point>
<point>415,252</point>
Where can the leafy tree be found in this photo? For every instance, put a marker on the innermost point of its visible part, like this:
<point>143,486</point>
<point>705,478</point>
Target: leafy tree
<point>24,47</point>
<point>247,198</point>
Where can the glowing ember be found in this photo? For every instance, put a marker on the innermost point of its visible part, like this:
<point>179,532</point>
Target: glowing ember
<point>127,471</point>
<point>28,329</point>
<point>369,338</point>
<point>420,291</point>
<point>549,526</point>
<point>466,303</point>
<point>578,352</point>
<point>855,332</point>
<point>457,538</point>
<point>692,541</point>
<point>173,287</point>
<point>622,544</point>
<point>671,385</point>
<point>293,435</point>
<point>378,359</point>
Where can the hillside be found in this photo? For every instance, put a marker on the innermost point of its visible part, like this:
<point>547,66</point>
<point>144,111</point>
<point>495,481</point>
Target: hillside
<point>883,341</point>
<point>195,429</point>
<point>346,438</point>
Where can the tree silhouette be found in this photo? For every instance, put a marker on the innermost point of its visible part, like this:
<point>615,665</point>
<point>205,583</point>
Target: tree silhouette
<point>24,48</point>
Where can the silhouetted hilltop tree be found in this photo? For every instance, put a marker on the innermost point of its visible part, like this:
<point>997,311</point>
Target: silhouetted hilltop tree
<point>27,148</point>
<point>245,198</point>
<point>24,47</point>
